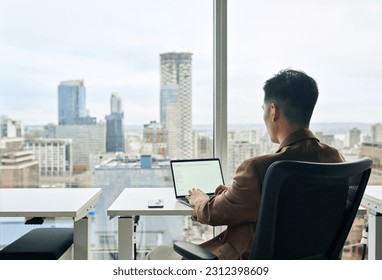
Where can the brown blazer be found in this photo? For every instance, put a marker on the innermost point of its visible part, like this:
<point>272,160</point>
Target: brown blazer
<point>238,207</point>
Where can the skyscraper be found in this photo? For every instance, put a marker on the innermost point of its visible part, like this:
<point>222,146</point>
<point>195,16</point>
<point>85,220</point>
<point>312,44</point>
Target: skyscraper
<point>154,141</point>
<point>86,140</point>
<point>55,156</point>
<point>72,103</point>
<point>353,138</point>
<point>115,138</point>
<point>10,128</point>
<point>376,133</point>
<point>176,103</point>
<point>116,103</point>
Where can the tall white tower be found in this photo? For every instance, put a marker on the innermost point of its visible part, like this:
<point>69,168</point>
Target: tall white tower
<point>115,103</point>
<point>176,103</point>
<point>115,138</point>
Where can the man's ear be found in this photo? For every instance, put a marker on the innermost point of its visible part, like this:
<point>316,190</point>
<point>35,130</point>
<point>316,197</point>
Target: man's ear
<point>275,112</point>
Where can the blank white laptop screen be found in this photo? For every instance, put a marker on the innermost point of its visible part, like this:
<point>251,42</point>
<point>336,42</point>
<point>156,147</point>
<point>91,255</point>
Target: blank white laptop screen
<point>204,174</point>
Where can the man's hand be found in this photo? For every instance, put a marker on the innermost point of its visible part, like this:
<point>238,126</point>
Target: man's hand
<point>195,195</point>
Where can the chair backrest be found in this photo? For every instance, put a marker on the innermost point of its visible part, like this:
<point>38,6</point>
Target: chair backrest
<point>307,209</point>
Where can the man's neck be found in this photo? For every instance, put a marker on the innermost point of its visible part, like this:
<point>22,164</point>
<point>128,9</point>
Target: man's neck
<point>288,129</point>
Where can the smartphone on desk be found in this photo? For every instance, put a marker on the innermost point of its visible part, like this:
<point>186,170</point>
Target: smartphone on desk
<point>156,203</point>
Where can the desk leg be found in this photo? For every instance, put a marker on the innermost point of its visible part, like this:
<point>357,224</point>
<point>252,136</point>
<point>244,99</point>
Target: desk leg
<point>81,238</point>
<point>126,238</point>
<point>375,236</point>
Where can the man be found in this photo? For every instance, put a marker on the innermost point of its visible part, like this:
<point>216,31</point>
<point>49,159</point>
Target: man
<point>289,100</point>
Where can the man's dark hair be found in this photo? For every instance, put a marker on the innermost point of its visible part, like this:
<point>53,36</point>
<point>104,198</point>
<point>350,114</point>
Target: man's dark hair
<point>295,93</point>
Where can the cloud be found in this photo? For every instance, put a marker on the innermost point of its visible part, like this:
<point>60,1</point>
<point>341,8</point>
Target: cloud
<point>114,46</point>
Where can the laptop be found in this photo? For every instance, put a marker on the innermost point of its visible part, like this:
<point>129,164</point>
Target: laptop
<point>204,174</point>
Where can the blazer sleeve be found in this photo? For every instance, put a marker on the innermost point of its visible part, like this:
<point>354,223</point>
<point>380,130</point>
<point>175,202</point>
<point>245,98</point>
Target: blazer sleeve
<point>238,204</point>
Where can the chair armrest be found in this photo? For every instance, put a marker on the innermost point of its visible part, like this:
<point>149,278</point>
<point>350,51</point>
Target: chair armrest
<point>192,251</point>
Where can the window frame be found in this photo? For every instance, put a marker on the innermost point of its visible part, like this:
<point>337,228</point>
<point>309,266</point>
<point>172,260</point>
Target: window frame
<point>220,129</point>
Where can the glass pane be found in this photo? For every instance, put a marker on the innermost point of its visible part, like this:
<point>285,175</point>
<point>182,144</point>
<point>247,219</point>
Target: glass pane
<point>337,43</point>
<point>104,94</point>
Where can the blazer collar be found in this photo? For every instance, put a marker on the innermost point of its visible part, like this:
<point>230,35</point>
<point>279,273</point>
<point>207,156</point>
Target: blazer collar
<point>297,136</point>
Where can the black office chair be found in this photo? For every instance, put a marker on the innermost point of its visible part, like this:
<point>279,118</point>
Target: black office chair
<point>306,211</point>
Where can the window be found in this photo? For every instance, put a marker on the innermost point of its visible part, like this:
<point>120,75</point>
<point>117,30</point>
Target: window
<point>337,43</point>
<point>126,62</point>
<point>114,81</point>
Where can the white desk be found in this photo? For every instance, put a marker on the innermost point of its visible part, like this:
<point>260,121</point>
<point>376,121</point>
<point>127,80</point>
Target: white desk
<point>50,203</point>
<point>133,201</point>
<point>372,199</point>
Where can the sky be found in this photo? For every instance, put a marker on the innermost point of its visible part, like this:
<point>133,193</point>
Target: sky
<point>114,46</point>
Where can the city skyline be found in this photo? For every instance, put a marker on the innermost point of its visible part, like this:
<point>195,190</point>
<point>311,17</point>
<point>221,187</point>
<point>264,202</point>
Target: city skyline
<point>114,49</point>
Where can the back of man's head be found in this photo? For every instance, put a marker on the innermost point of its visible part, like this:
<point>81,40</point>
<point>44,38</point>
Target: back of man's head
<point>295,93</point>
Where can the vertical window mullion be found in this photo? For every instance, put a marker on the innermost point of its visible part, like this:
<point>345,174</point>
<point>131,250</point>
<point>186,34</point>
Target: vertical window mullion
<point>220,82</point>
